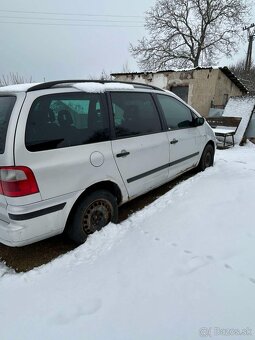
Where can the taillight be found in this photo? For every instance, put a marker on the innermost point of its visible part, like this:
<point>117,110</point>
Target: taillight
<point>16,181</point>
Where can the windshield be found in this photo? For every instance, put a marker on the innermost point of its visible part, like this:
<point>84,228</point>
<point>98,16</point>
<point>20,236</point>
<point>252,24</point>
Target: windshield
<point>6,106</point>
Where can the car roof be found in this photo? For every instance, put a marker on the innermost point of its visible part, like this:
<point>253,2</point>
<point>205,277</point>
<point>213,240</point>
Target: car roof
<point>83,85</point>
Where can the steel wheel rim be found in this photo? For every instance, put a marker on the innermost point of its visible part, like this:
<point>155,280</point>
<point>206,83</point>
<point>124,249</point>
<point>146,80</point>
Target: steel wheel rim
<point>208,159</point>
<point>97,215</point>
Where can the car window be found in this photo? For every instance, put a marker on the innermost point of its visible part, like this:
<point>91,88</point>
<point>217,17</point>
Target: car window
<point>6,106</point>
<point>178,115</point>
<point>134,114</point>
<point>62,120</point>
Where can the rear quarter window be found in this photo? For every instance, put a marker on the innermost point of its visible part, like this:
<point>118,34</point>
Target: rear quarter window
<point>6,106</point>
<point>68,119</point>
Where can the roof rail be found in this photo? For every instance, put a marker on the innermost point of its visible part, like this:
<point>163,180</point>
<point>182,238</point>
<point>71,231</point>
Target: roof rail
<point>50,84</point>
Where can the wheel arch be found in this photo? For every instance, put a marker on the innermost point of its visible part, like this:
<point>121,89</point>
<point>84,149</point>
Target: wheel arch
<point>104,185</point>
<point>210,142</point>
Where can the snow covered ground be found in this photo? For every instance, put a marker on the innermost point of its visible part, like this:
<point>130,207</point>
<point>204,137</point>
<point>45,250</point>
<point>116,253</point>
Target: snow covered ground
<point>180,269</point>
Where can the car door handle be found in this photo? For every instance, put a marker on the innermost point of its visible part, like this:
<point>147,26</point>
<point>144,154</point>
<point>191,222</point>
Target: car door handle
<point>174,141</point>
<point>123,153</point>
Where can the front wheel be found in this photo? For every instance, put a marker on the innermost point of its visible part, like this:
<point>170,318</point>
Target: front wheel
<point>91,214</point>
<point>207,158</point>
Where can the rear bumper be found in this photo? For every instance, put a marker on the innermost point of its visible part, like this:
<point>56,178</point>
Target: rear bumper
<point>30,223</point>
<point>30,227</point>
<point>17,236</point>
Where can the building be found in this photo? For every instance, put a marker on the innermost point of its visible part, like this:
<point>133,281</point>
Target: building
<point>202,87</point>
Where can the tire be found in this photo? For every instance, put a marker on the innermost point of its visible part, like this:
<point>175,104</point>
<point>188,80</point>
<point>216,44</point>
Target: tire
<point>91,214</point>
<point>207,158</point>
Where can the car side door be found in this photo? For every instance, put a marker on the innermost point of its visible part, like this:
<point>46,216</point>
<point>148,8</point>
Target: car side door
<point>183,135</point>
<point>140,146</point>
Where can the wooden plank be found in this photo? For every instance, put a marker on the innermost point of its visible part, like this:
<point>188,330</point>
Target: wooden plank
<point>224,121</point>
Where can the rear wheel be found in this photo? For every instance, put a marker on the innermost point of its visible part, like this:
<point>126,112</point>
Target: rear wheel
<point>207,158</point>
<point>91,214</point>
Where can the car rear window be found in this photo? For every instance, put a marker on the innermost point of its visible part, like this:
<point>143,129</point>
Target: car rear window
<point>6,106</point>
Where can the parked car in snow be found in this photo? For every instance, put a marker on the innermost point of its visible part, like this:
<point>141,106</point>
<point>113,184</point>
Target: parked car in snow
<point>71,152</point>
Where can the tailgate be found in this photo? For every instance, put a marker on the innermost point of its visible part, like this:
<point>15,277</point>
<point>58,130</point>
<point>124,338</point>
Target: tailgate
<point>10,106</point>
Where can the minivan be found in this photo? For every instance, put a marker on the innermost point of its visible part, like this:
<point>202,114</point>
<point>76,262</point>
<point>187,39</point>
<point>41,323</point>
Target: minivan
<point>72,151</point>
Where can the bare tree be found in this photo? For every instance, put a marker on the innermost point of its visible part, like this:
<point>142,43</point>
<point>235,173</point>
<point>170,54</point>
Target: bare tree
<point>126,68</point>
<point>103,76</point>
<point>247,78</point>
<point>183,32</point>
<point>13,78</point>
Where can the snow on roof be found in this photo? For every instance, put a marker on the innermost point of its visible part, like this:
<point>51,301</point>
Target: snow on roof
<point>17,87</point>
<point>170,70</point>
<point>224,69</point>
<point>83,86</point>
<point>240,107</point>
<point>97,87</point>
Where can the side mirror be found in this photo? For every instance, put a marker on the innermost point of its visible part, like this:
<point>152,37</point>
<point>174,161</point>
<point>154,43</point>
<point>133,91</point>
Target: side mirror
<point>199,121</point>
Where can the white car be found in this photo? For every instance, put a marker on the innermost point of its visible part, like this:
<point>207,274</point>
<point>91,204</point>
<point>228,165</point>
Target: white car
<point>71,152</point>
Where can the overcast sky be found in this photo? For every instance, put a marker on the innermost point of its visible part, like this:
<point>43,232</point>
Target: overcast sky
<point>52,47</point>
